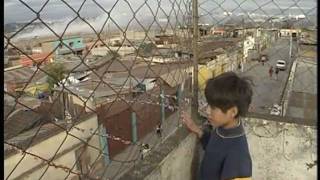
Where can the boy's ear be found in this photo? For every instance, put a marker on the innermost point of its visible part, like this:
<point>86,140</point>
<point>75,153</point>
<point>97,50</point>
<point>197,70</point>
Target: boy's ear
<point>232,112</point>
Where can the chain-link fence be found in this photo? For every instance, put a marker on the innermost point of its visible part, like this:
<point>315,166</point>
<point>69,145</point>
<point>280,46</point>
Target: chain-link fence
<point>92,87</point>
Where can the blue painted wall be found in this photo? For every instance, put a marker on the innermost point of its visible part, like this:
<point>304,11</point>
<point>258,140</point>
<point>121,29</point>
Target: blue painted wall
<point>76,43</point>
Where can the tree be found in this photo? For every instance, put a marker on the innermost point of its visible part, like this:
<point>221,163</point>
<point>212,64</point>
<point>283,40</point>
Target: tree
<point>55,73</point>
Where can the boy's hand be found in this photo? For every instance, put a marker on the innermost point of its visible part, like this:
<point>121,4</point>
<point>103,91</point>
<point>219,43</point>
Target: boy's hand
<point>191,125</point>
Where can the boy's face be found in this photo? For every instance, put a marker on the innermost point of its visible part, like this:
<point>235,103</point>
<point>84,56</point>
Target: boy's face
<point>218,118</point>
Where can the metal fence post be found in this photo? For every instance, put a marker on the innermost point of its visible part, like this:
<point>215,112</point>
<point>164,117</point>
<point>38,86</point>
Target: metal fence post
<point>104,144</point>
<point>134,127</point>
<point>195,17</point>
<point>162,110</point>
<point>179,96</point>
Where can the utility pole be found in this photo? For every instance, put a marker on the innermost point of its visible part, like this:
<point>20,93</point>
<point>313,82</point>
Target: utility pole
<point>290,51</point>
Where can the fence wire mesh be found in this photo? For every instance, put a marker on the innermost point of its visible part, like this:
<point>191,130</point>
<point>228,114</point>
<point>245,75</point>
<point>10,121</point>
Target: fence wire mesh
<point>92,87</point>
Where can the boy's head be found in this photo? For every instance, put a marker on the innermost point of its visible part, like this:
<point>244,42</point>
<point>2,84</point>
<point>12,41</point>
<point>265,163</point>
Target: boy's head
<point>228,97</point>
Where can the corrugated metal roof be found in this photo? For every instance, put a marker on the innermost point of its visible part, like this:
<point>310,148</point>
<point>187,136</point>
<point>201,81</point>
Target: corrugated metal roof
<point>23,74</point>
<point>175,77</point>
<point>47,130</point>
<point>75,64</point>
<point>154,71</point>
<point>20,121</point>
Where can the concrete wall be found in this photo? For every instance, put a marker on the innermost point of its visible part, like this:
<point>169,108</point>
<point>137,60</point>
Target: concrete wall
<point>178,164</point>
<point>248,44</point>
<point>75,43</point>
<point>281,151</point>
<point>89,105</point>
<point>30,167</point>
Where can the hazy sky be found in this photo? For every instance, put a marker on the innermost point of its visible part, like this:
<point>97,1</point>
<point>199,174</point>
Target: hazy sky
<point>15,11</point>
<point>58,11</point>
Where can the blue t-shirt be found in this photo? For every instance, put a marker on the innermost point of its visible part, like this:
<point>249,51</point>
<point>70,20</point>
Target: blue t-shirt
<point>226,154</point>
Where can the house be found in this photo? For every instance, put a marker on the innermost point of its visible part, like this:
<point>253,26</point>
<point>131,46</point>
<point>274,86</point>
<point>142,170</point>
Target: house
<point>204,29</point>
<point>36,50</point>
<point>103,50</point>
<point>34,59</point>
<point>216,31</point>
<point>12,57</point>
<point>216,57</point>
<point>122,119</point>
<point>166,55</point>
<point>120,97</point>
<point>70,45</point>
<point>289,32</point>
<point>248,44</point>
<point>116,44</point>
<point>132,120</point>
<point>133,35</point>
<point>164,39</point>
<point>90,93</point>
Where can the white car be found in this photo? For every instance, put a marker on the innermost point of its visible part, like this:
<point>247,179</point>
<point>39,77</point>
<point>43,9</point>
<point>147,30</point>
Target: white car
<point>281,64</point>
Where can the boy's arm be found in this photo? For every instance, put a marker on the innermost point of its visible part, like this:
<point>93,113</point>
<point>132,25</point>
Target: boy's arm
<point>191,125</point>
<point>202,134</point>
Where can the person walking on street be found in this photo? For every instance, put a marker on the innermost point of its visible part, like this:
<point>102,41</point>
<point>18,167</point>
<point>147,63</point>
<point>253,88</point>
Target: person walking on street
<point>277,72</point>
<point>144,150</point>
<point>271,71</point>
<point>159,130</point>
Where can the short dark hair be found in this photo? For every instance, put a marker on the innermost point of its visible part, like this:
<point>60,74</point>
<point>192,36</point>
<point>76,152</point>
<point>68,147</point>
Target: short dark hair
<point>228,90</point>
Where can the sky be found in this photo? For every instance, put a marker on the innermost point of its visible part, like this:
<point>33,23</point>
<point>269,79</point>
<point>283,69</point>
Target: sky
<point>15,11</point>
<point>59,12</point>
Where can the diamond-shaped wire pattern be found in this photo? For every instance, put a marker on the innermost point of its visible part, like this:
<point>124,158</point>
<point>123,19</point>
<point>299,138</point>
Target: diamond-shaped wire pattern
<point>89,83</point>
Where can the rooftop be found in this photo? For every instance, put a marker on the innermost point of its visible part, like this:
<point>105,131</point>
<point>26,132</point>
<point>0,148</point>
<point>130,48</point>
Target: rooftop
<point>154,71</point>
<point>65,38</point>
<point>23,74</point>
<point>43,132</point>
<point>73,63</point>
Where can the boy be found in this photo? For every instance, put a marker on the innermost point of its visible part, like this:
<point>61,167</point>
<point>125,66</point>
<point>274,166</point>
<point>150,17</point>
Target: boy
<point>226,154</point>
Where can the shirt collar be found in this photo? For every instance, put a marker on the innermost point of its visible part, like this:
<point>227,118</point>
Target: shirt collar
<point>232,132</point>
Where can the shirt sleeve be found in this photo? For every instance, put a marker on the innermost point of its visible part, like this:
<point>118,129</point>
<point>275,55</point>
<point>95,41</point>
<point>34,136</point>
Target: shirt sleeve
<point>237,165</point>
<point>205,138</point>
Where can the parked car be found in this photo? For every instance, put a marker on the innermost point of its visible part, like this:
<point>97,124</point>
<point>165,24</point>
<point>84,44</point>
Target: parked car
<point>264,58</point>
<point>281,65</point>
